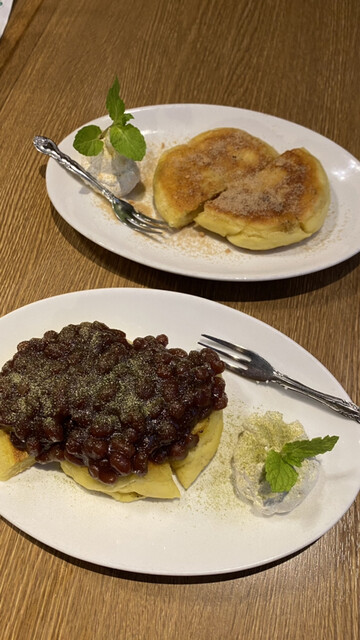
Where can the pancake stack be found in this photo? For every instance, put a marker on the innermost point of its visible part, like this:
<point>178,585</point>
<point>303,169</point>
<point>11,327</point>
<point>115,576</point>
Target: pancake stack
<point>237,186</point>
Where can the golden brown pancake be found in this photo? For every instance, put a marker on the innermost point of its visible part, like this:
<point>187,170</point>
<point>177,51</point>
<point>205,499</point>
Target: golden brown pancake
<point>282,203</point>
<point>189,174</point>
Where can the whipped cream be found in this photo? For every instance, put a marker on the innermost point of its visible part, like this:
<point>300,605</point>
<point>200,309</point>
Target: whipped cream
<point>261,433</point>
<point>116,172</point>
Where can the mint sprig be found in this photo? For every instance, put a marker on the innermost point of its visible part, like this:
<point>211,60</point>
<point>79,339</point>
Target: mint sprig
<point>279,465</point>
<point>124,137</point>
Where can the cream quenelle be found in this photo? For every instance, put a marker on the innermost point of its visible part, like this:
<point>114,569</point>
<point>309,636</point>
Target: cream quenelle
<point>264,434</point>
<point>112,169</point>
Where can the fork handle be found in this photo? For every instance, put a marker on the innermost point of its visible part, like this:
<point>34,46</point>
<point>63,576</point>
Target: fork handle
<point>49,148</point>
<point>346,408</point>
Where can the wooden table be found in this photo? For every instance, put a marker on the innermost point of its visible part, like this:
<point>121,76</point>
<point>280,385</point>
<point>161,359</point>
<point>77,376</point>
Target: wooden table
<point>298,61</point>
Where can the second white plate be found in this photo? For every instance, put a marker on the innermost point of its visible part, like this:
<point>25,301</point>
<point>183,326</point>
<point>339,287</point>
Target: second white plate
<point>208,530</point>
<point>191,252</point>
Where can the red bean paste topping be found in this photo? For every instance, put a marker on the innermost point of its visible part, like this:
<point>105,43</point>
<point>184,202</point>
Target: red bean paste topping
<point>89,396</point>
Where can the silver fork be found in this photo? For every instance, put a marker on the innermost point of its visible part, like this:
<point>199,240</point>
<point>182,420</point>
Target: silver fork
<point>123,210</point>
<point>250,365</point>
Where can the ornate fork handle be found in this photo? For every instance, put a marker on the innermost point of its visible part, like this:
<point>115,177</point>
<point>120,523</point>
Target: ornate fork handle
<point>49,148</point>
<point>346,408</point>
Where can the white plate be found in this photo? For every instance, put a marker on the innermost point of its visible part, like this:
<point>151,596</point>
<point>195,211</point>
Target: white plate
<point>208,530</point>
<point>189,253</point>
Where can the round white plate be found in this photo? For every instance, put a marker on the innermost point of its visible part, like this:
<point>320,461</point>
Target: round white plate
<point>208,530</point>
<point>189,251</point>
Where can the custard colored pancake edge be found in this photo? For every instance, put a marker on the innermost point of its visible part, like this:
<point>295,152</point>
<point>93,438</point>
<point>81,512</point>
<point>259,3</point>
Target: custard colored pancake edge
<point>158,482</point>
<point>12,461</point>
<point>209,432</point>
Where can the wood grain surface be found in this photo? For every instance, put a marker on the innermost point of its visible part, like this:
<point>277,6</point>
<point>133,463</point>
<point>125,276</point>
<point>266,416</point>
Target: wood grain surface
<point>298,61</point>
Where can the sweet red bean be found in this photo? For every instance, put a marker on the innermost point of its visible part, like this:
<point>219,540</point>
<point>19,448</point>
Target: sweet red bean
<point>88,395</point>
<point>120,463</point>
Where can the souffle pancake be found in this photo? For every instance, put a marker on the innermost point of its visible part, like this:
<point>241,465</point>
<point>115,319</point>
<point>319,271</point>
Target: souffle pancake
<point>283,203</point>
<point>188,175</point>
<point>120,417</point>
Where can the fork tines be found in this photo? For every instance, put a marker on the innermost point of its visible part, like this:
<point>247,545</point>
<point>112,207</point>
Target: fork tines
<point>134,222</point>
<point>127,214</point>
<point>130,210</point>
<point>243,360</point>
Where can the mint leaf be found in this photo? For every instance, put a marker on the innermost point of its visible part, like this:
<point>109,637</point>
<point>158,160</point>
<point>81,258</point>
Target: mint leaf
<point>125,138</point>
<point>87,140</point>
<point>295,452</point>
<point>279,466</point>
<point>128,141</point>
<point>280,475</point>
<point>126,117</point>
<point>114,104</point>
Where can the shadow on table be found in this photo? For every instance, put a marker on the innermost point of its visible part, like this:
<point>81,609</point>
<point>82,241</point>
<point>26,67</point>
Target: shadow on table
<point>253,291</point>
